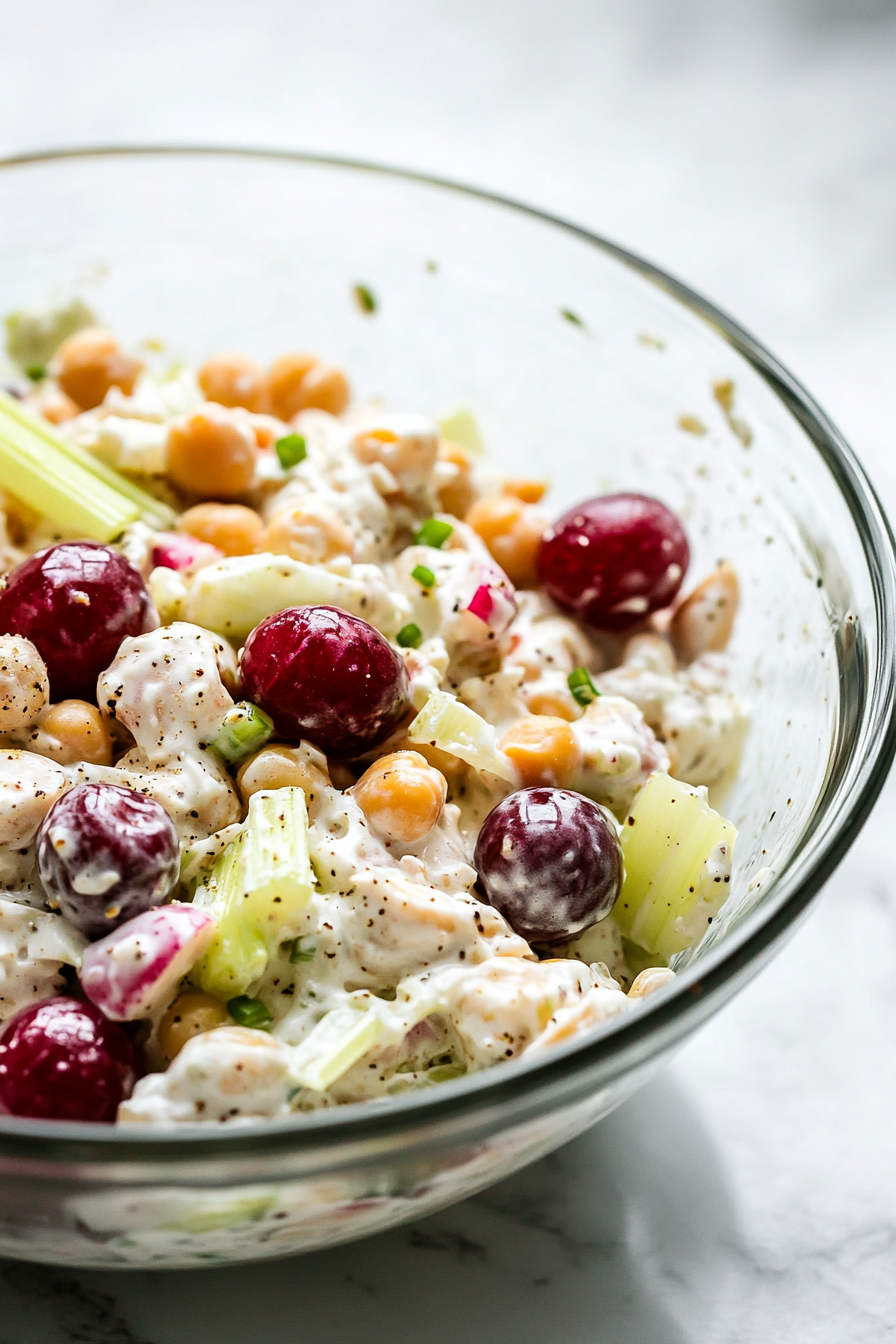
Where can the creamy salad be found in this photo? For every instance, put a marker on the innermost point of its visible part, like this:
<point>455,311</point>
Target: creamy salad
<point>331,765</point>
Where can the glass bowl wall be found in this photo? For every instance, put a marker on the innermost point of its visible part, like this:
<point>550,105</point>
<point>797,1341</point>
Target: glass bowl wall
<point>580,363</point>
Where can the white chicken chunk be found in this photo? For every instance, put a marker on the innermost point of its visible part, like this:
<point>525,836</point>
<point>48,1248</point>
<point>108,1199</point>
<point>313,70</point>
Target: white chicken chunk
<point>619,751</point>
<point>29,786</point>
<point>34,946</point>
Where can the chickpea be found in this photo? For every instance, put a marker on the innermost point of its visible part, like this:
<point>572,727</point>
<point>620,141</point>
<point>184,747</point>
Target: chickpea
<point>457,494</point>
<point>285,381</point>
<point>512,531</point>
<point>234,380</point>
<point>323,388</point>
<point>24,684</point>
<point>233,528</point>
<point>410,457</point>
<point>401,796</point>
<point>544,750</point>
<point>54,405</point>
<point>309,532</point>
<point>211,454</point>
<point>526,488</point>
<point>703,622</point>
<point>556,704</point>
<point>650,980</point>
<point>191,1014</point>
<point>70,732</point>
<point>279,768</point>
<point>89,363</point>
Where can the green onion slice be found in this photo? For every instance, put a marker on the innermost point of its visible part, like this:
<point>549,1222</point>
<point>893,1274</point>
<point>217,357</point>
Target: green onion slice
<point>291,450</point>
<point>433,533</point>
<point>298,953</point>
<point>244,729</point>
<point>424,576</point>
<point>410,636</point>
<point>249,1012</point>
<point>582,687</point>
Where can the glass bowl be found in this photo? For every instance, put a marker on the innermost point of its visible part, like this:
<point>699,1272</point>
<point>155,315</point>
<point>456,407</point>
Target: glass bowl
<point>582,363</point>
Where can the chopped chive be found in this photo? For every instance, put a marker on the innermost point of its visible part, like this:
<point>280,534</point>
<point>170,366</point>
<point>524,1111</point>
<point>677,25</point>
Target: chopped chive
<point>244,729</point>
<point>582,687</point>
<point>365,298</point>
<point>36,372</point>
<point>424,576</point>
<point>571,317</point>
<point>249,1012</point>
<point>299,953</point>
<point>432,266</point>
<point>433,533</point>
<point>291,450</point>
<point>410,636</point>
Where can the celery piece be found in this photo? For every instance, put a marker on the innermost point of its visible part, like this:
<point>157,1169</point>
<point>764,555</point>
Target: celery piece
<point>434,532</point>
<point>257,892</point>
<point>33,338</point>
<point>66,483</point>
<point>339,1040</point>
<point>291,450</point>
<point>460,427</point>
<point>232,596</point>
<point>444,722</point>
<point>243,730</point>
<point>677,854</point>
<point>248,1012</point>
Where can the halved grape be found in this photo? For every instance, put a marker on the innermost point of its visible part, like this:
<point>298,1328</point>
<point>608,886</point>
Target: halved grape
<point>613,560</point>
<point>550,862</point>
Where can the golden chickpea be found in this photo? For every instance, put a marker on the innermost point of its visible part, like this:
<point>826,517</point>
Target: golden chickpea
<point>309,532</point>
<point>191,1014</point>
<point>279,768</point>
<point>544,750</point>
<point>526,488</point>
<point>89,363</point>
<point>211,454</point>
<point>72,731</point>
<point>323,388</point>
<point>512,531</point>
<point>233,380</point>
<point>285,381</point>
<point>556,704</point>
<point>459,494</point>
<point>401,796</point>
<point>233,528</point>
<point>54,405</point>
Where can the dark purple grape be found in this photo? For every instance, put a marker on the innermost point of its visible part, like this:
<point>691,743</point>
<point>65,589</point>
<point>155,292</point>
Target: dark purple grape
<point>62,1060</point>
<point>106,854</point>
<point>76,602</point>
<point>550,862</point>
<point>324,675</point>
<point>613,560</point>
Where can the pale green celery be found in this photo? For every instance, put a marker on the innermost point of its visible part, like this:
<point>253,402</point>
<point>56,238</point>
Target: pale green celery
<point>461,427</point>
<point>444,722</point>
<point>66,483</point>
<point>677,854</point>
<point>211,1212</point>
<point>257,892</point>
<point>232,596</point>
<point>33,338</point>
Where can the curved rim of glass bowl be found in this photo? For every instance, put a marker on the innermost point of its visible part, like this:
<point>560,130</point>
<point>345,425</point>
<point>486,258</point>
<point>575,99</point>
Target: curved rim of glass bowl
<point>860,762</point>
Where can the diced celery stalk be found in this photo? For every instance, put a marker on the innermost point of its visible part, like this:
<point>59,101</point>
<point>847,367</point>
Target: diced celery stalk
<point>232,596</point>
<point>670,891</point>
<point>257,892</point>
<point>444,722</point>
<point>58,478</point>
<point>340,1039</point>
<point>461,427</point>
<point>243,730</point>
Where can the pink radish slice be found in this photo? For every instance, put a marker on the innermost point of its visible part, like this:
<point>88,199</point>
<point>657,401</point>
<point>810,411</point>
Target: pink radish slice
<point>135,970</point>
<point>174,550</point>
<point>495,605</point>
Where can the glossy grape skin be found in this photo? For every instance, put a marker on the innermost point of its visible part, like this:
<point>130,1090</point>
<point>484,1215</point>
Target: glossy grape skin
<point>94,832</point>
<point>76,602</point>
<point>612,560</point>
<point>550,862</point>
<point>62,1060</point>
<point>325,676</point>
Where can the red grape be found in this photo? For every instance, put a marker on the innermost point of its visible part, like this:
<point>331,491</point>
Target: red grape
<point>76,602</point>
<point>62,1060</point>
<point>613,560</point>
<point>324,675</point>
<point>549,861</point>
<point>106,854</point>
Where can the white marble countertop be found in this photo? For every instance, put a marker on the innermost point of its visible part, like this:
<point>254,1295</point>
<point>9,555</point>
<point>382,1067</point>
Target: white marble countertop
<point>750,1193</point>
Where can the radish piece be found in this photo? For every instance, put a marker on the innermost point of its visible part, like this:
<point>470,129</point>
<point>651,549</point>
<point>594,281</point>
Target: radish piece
<point>135,970</point>
<point>494,602</point>
<point>175,550</point>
